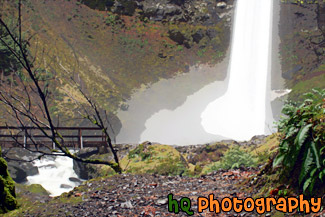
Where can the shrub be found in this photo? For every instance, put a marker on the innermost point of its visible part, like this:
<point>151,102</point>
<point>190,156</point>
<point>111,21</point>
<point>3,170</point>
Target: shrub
<point>302,147</point>
<point>169,167</point>
<point>233,158</point>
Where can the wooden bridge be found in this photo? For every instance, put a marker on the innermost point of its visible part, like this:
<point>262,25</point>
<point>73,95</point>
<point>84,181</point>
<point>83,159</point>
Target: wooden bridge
<point>73,137</point>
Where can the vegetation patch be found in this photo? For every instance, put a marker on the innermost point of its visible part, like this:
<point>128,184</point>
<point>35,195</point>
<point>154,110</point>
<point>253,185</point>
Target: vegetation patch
<point>302,147</point>
<point>304,86</point>
<point>155,159</point>
<point>123,51</point>
<point>299,163</point>
<point>33,188</point>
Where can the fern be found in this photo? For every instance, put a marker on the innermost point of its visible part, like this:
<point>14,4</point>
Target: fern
<point>303,140</point>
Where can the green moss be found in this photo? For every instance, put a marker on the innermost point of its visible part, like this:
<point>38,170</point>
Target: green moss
<point>7,189</point>
<point>154,159</point>
<point>305,86</point>
<point>33,188</point>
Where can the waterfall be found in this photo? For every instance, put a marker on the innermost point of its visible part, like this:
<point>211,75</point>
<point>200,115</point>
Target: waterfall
<point>241,112</point>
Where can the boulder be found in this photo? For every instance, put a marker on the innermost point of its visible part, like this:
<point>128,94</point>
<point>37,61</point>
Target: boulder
<point>211,33</point>
<point>17,174</point>
<point>222,5</point>
<point>197,36</point>
<point>65,186</point>
<point>178,37</point>
<point>81,168</point>
<point>289,74</point>
<point>171,10</point>
<point>18,169</point>
<point>76,180</point>
<point>125,7</point>
<point>99,5</point>
<point>160,10</point>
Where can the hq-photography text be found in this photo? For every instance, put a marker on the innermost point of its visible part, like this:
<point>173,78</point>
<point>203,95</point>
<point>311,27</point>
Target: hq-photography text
<point>259,205</point>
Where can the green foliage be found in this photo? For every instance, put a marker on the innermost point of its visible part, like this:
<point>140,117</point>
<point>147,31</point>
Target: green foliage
<point>302,147</point>
<point>201,52</point>
<point>141,152</point>
<point>33,188</point>
<point>303,86</point>
<point>8,62</point>
<point>113,20</point>
<point>234,158</point>
<point>169,167</point>
<point>154,159</point>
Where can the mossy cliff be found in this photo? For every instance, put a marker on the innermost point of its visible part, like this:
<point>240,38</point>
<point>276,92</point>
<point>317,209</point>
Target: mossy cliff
<point>302,48</point>
<point>113,52</point>
<point>7,189</point>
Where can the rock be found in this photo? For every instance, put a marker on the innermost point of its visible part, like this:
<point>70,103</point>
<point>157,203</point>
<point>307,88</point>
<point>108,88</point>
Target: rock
<point>127,205</point>
<point>222,5</point>
<point>99,5</point>
<point>65,186</point>
<point>289,74</point>
<point>161,202</point>
<point>178,37</point>
<point>125,7</point>
<point>20,170</point>
<point>211,33</point>
<point>17,174</point>
<point>160,10</point>
<point>198,36</point>
<point>171,10</point>
<point>49,166</point>
<point>17,169</point>
<point>73,179</point>
<point>79,167</point>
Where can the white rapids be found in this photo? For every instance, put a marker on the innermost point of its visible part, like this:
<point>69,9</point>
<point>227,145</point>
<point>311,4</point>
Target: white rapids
<point>54,173</point>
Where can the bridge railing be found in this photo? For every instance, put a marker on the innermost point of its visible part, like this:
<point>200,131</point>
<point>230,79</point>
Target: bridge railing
<point>76,137</point>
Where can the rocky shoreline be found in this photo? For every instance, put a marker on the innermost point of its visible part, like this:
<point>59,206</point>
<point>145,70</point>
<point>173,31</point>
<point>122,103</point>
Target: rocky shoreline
<point>20,167</point>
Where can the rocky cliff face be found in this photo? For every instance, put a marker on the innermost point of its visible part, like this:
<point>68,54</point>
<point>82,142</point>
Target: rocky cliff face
<point>191,11</point>
<point>302,46</point>
<point>113,47</point>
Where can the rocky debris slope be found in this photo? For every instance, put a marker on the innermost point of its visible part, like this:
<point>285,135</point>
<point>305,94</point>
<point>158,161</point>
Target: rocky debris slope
<point>142,195</point>
<point>147,195</point>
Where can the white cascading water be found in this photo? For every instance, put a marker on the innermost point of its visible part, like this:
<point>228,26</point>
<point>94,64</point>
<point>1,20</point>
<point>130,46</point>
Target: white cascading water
<point>241,112</point>
<point>54,173</point>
